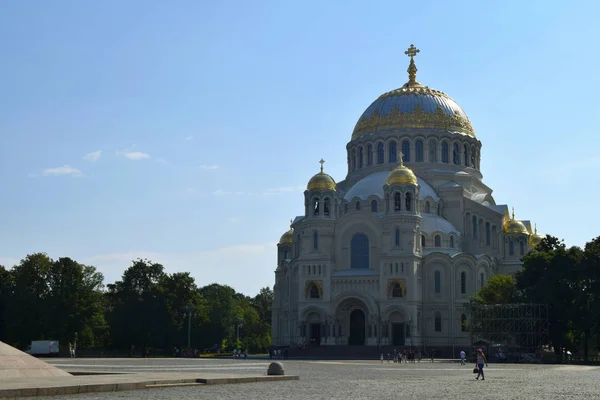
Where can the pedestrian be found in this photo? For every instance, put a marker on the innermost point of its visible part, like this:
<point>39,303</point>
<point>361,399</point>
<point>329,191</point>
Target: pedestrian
<point>462,357</point>
<point>381,358</point>
<point>479,364</point>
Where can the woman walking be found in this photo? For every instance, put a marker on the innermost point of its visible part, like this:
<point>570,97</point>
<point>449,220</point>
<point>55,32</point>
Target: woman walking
<point>479,362</point>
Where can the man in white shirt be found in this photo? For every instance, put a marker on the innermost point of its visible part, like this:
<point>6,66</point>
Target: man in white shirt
<point>463,356</point>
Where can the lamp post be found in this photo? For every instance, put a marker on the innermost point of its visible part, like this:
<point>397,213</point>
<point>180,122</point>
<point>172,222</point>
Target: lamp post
<point>189,311</point>
<point>239,322</point>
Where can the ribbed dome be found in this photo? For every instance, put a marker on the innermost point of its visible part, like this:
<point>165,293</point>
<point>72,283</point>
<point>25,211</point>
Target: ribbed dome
<point>413,106</point>
<point>515,227</point>
<point>287,237</point>
<point>401,176</point>
<point>321,181</point>
<point>535,239</point>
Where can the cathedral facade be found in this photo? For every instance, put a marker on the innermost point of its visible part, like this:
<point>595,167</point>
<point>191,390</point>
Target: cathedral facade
<point>391,255</point>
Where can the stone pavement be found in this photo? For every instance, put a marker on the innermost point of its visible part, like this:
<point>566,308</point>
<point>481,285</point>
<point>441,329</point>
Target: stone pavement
<point>17,364</point>
<point>349,380</point>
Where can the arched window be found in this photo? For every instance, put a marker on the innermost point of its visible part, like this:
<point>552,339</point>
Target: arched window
<point>511,248</point>
<point>488,234</point>
<point>466,155</point>
<point>463,283</point>
<point>357,205</point>
<point>316,240</point>
<point>408,201</point>
<point>472,157</point>
<point>370,154</point>
<point>474,227</point>
<point>314,291</point>
<point>397,241</point>
<point>346,207</point>
<point>438,321</point>
<point>422,240</point>
<point>427,207</point>
<point>397,201</point>
<point>406,151</point>
<point>437,282</point>
<point>439,209</point>
<point>373,205</point>
<point>360,157</point>
<point>316,206</point>
<point>463,323</point>
<point>455,154</point>
<point>359,252</point>
<point>452,242</point>
<point>353,159</point>
<point>393,152</point>
<point>494,236</point>
<point>397,290</point>
<point>445,152</point>
<point>419,151</point>
<point>437,241</point>
<point>380,153</point>
<point>326,207</point>
<point>481,279</point>
<point>432,151</point>
<point>521,247</point>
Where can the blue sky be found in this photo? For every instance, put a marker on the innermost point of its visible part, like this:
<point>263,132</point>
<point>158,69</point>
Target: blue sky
<point>186,131</point>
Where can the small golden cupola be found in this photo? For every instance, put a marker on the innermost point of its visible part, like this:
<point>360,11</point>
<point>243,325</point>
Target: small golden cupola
<point>321,181</point>
<point>401,175</point>
<point>515,227</point>
<point>287,237</point>
<point>536,238</point>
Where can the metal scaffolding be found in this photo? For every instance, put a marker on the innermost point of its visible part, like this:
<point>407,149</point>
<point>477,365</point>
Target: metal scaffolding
<point>514,332</point>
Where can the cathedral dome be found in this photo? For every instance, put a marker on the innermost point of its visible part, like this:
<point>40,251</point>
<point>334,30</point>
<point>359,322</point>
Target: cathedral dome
<point>321,181</point>
<point>401,176</point>
<point>535,239</point>
<point>287,237</point>
<point>515,227</point>
<point>413,106</point>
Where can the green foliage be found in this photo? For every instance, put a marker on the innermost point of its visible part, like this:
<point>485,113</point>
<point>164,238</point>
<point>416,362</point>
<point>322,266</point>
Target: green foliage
<point>499,289</point>
<point>147,309</point>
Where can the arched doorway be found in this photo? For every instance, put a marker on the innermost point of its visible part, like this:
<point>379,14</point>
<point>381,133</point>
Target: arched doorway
<point>398,329</point>
<point>357,328</point>
<point>314,329</point>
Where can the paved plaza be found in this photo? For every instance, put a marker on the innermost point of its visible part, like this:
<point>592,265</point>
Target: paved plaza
<point>354,380</point>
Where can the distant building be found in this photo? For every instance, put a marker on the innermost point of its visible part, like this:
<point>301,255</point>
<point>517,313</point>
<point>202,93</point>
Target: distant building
<point>390,255</point>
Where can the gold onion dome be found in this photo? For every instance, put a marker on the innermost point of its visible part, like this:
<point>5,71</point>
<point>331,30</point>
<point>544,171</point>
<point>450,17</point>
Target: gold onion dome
<point>515,227</point>
<point>535,239</point>
<point>401,175</point>
<point>413,106</point>
<point>321,181</point>
<point>287,237</point>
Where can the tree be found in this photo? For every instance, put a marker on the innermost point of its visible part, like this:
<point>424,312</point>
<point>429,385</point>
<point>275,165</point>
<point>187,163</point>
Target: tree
<point>5,300</point>
<point>549,276</point>
<point>499,289</point>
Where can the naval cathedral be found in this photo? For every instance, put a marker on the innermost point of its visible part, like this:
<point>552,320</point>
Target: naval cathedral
<point>390,255</point>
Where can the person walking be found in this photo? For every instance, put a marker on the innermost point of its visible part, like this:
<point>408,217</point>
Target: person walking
<point>463,355</point>
<point>479,363</point>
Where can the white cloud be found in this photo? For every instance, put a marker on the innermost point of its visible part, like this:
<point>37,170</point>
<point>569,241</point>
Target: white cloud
<point>162,161</point>
<point>64,170</point>
<point>136,155</point>
<point>93,156</point>
<point>209,166</point>
<point>221,192</point>
<point>188,138</point>
<point>240,266</point>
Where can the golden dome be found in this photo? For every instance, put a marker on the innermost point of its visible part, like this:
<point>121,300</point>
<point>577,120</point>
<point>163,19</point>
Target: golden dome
<point>535,239</point>
<point>515,227</point>
<point>287,237</point>
<point>401,175</point>
<point>321,181</point>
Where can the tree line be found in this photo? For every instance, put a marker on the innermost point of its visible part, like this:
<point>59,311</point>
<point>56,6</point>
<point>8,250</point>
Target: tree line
<point>148,310</point>
<point>567,279</point>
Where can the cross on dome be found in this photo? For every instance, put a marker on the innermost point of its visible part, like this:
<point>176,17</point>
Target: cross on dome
<point>412,51</point>
<point>321,161</point>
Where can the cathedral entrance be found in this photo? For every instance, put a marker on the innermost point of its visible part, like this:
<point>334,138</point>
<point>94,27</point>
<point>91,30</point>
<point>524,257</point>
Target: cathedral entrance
<point>398,334</point>
<point>357,328</point>
<point>315,334</point>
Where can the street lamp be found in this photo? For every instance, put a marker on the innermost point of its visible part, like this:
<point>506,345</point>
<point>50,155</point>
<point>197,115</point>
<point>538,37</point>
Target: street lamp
<point>189,311</point>
<point>239,322</point>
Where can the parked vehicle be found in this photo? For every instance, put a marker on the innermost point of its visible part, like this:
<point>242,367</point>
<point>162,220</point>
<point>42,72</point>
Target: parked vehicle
<point>43,348</point>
